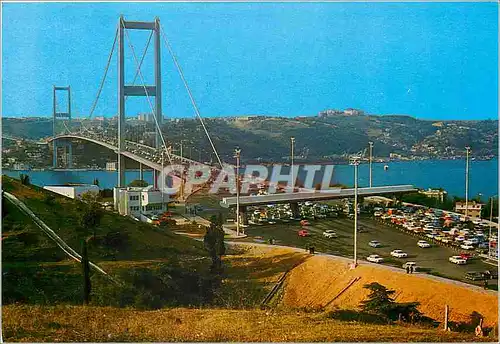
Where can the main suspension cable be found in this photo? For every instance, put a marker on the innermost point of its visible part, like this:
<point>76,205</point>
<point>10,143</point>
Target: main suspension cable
<point>193,102</point>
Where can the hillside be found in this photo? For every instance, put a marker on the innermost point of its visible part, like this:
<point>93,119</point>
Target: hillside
<point>36,271</point>
<point>166,292</point>
<point>327,137</point>
<point>63,323</point>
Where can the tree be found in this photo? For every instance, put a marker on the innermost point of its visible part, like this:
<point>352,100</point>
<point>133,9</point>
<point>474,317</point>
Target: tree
<point>138,182</point>
<point>214,243</point>
<point>86,273</point>
<point>25,179</point>
<point>220,220</point>
<point>485,211</point>
<point>379,301</point>
<point>92,212</point>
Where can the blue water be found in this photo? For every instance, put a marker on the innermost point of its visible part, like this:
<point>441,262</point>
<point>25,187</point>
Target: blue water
<point>447,174</point>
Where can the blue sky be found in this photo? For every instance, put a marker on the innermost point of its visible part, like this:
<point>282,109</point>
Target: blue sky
<point>428,60</point>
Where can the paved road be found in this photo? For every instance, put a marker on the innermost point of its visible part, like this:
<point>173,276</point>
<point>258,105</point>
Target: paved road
<point>348,260</point>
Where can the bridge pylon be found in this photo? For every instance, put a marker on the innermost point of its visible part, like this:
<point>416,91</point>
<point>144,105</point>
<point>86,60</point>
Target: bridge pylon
<point>143,90</point>
<point>61,116</point>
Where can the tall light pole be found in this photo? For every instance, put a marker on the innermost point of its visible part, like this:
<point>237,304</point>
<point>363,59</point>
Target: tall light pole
<point>237,153</point>
<point>292,141</point>
<point>467,150</point>
<point>489,235</point>
<point>371,158</point>
<point>355,162</point>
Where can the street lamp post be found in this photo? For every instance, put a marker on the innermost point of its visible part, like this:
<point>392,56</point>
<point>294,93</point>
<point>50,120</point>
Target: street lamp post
<point>371,158</point>
<point>292,141</point>
<point>355,162</point>
<point>237,153</point>
<point>467,150</point>
<point>489,235</point>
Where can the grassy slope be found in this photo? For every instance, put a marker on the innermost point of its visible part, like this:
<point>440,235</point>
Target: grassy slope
<point>37,271</point>
<point>98,324</point>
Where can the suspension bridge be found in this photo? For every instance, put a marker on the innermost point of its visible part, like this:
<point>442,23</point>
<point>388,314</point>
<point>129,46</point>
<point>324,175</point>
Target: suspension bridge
<point>153,157</point>
<point>157,155</point>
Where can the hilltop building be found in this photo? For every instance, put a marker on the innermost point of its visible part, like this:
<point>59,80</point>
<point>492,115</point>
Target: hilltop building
<point>473,208</point>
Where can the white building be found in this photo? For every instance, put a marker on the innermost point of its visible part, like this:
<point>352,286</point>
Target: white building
<point>111,166</point>
<point>72,191</point>
<point>137,201</point>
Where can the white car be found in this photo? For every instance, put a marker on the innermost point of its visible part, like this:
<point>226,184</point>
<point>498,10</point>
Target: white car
<point>374,243</point>
<point>399,254</point>
<point>423,244</point>
<point>467,247</point>
<point>410,264</point>
<point>329,234</point>
<point>457,260</point>
<point>375,258</point>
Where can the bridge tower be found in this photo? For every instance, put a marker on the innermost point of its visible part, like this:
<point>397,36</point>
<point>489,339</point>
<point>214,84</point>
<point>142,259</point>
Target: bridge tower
<point>130,90</point>
<point>61,117</point>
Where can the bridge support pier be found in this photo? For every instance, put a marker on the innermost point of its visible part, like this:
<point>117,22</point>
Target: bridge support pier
<point>54,154</point>
<point>69,155</point>
<point>141,172</point>
<point>294,206</point>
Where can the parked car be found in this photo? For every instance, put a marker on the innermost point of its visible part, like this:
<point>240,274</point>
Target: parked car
<point>399,254</point>
<point>329,234</point>
<point>423,244</point>
<point>467,247</point>
<point>474,276</point>
<point>304,233</point>
<point>410,264</point>
<point>457,260</point>
<point>488,274</point>
<point>374,243</point>
<point>375,258</point>
<point>465,256</point>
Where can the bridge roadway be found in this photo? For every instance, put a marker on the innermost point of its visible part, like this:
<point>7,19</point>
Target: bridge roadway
<point>150,159</point>
<point>229,202</point>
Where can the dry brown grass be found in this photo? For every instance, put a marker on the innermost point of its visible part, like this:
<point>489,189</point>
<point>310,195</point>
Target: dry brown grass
<point>319,279</point>
<point>78,323</point>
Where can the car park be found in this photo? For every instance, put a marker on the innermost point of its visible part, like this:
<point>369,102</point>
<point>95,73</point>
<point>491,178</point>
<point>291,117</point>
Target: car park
<point>399,254</point>
<point>423,244</point>
<point>374,243</point>
<point>375,258</point>
<point>457,260</point>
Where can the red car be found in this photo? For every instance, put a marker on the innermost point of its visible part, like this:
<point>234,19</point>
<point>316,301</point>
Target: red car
<point>465,256</point>
<point>304,233</point>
